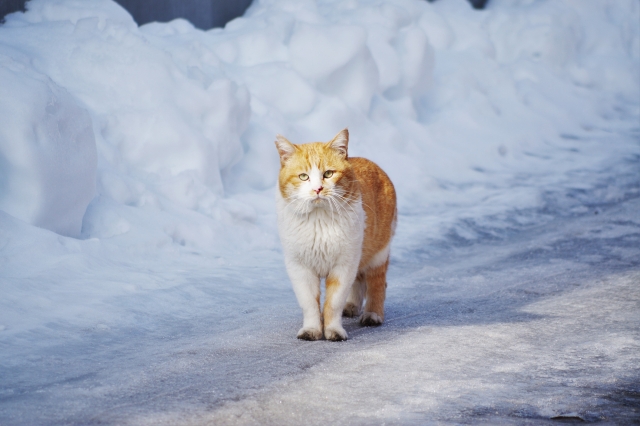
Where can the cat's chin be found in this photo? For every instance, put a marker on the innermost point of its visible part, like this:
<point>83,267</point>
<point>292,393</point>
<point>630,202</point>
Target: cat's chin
<point>320,204</point>
<point>311,205</point>
<point>318,201</point>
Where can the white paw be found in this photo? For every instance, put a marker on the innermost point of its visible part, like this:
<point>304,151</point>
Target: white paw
<point>309,333</point>
<point>370,319</point>
<point>334,333</point>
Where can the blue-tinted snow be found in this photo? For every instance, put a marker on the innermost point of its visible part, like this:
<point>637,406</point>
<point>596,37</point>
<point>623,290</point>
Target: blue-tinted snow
<point>512,135</point>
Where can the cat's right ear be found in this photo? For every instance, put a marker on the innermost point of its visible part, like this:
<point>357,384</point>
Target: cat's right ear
<point>285,148</point>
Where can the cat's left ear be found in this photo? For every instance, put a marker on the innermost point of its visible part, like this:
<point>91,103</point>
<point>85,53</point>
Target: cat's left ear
<point>341,142</point>
<point>285,148</point>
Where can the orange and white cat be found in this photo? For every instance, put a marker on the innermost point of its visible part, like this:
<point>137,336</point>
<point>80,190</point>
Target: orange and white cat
<point>336,217</point>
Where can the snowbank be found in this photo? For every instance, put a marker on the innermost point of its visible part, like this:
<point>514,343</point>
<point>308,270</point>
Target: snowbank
<point>47,151</point>
<point>486,121</point>
<point>454,103</point>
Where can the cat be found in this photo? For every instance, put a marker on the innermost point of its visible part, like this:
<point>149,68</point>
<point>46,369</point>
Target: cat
<point>336,218</point>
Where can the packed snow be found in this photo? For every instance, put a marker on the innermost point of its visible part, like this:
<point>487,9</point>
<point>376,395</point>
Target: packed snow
<point>141,275</point>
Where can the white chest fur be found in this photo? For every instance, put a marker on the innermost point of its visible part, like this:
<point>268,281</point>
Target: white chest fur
<point>323,238</point>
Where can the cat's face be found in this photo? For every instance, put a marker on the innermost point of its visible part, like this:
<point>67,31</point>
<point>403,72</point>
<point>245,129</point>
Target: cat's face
<point>316,175</point>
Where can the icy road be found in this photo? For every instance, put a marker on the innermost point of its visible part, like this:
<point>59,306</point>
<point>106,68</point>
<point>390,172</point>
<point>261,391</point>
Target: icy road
<point>542,326</point>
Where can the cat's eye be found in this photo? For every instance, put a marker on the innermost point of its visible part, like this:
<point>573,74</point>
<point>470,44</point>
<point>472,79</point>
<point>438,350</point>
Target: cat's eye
<point>328,174</point>
<point>303,176</point>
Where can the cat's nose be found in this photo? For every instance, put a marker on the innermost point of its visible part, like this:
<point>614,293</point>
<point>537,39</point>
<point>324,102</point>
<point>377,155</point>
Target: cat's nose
<point>318,190</point>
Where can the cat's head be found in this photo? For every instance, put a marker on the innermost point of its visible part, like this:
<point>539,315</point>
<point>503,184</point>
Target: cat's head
<point>316,175</point>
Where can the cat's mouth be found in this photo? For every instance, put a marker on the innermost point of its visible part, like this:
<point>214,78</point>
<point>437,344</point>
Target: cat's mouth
<point>318,198</point>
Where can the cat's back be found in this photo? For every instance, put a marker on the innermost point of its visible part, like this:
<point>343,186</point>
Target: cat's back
<point>379,204</point>
<point>373,178</point>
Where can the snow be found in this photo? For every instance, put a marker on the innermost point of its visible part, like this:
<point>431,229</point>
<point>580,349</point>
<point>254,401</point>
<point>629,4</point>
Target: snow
<point>141,275</point>
<point>48,151</point>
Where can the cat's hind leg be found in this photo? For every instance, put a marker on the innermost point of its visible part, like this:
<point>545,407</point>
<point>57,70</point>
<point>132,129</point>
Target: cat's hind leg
<point>376,281</point>
<point>306,286</point>
<point>355,298</point>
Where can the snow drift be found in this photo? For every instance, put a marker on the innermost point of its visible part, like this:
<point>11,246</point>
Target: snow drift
<point>454,103</point>
<point>47,151</point>
<point>485,120</point>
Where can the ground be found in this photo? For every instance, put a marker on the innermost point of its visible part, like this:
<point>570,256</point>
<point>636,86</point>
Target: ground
<point>540,326</point>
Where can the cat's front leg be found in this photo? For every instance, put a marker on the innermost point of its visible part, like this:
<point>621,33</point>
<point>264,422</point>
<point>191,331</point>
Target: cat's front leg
<point>306,286</point>
<point>338,288</point>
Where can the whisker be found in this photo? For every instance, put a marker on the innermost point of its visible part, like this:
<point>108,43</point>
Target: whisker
<point>348,213</point>
<point>352,216</point>
<point>331,205</point>
<point>342,192</point>
<point>348,204</point>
